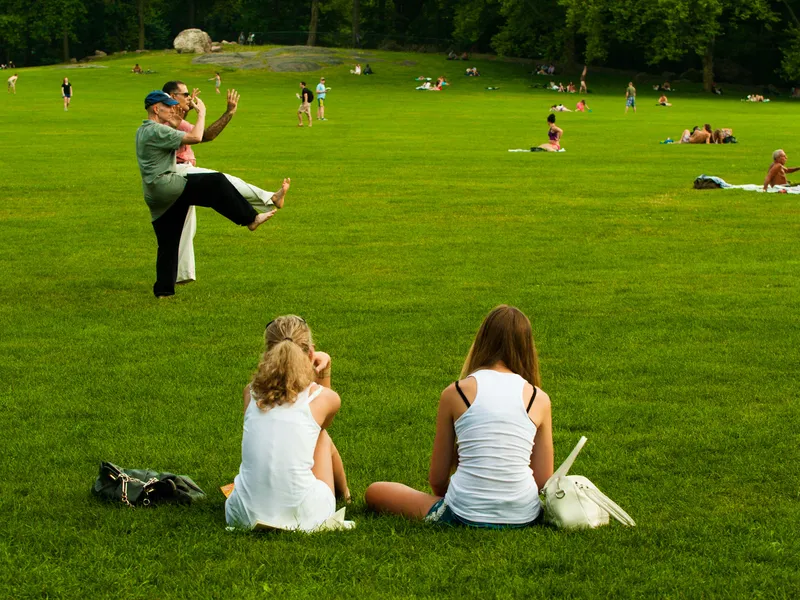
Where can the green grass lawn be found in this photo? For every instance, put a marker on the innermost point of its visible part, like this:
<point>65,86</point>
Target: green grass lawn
<point>666,321</point>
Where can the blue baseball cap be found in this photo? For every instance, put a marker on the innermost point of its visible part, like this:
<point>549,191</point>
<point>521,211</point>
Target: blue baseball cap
<point>156,97</point>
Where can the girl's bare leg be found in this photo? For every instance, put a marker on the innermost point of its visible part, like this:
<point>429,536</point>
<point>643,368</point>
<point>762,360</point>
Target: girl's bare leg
<point>328,466</point>
<point>399,499</point>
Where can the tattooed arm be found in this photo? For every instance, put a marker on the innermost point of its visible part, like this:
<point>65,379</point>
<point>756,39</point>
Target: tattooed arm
<point>213,130</point>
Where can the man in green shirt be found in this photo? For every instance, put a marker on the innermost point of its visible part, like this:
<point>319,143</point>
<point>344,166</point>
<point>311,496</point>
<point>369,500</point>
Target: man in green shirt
<point>630,98</point>
<point>169,194</point>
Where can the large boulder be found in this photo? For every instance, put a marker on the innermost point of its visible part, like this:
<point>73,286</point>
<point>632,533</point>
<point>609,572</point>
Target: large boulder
<point>191,41</point>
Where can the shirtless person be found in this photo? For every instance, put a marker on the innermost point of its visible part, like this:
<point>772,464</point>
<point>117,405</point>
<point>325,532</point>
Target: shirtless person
<point>697,135</point>
<point>777,172</point>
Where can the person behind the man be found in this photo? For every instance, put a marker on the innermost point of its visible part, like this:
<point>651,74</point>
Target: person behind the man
<point>169,194</point>
<point>777,171</point>
<point>321,90</point>
<point>306,97</point>
<point>187,163</point>
<point>630,98</point>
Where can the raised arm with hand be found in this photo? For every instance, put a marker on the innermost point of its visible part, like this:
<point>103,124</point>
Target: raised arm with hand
<point>195,136</point>
<point>217,126</point>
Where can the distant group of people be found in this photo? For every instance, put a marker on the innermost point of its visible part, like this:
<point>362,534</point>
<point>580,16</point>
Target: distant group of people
<point>568,89</point>
<point>427,85</point>
<point>306,97</point>
<point>756,98</point>
<point>453,56</point>
<point>249,39</point>
<point>472,72</point>
<point>9,65</point>
<point>581,106</point>
<point>664,87</point>
<point>706,135</point>
<point>546,69</point>
<point>357,70</point>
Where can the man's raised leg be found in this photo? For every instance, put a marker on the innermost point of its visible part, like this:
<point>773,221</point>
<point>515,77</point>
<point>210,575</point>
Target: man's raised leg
<point>213,190</point>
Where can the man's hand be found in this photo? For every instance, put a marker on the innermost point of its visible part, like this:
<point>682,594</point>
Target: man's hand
<point>199,106</point>
<point>233,101</point>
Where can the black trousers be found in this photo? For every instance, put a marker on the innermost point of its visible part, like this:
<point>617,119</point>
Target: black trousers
<point>212,190</point>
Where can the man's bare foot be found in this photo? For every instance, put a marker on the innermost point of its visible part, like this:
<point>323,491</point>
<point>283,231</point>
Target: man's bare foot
<point>261,218</point>
<point>279,196</point>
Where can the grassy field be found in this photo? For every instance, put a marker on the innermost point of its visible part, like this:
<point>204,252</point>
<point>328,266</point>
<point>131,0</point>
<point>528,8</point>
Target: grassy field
<point>666,321</point>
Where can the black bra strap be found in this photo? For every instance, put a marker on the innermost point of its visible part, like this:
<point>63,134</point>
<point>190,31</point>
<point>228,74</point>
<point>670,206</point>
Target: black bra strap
<point>460,393</point>
<point>527,410</point>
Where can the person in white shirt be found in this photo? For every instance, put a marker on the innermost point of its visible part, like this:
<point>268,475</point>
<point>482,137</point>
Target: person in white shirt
<point>291,472</point>
<point>494,426</point>
<point>12,84</point>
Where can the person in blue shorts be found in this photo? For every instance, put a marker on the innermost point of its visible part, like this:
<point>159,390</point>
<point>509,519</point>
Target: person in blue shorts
<point>321,91</point>
<point>494,428</point>
<point>630,98</point>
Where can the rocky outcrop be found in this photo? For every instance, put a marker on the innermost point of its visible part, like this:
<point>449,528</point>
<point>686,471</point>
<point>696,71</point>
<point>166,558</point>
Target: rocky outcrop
<point>191,41</point>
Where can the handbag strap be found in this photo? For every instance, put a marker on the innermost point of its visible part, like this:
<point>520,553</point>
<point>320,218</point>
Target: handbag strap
<point>567,464</point>
<point>609,506</point>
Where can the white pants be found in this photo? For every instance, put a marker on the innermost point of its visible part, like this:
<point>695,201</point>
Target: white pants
<point>259,199</point>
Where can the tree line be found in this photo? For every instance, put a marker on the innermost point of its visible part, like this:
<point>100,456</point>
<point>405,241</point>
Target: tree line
<point>743,41</point>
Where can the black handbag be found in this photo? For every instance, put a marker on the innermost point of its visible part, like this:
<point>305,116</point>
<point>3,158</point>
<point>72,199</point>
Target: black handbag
<point>141,487</point>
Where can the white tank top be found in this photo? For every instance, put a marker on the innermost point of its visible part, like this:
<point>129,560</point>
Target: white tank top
<point>494,482</point>
<point>275,476</point>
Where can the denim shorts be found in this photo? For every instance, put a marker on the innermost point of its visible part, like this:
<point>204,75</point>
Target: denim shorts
<point>443,514</point>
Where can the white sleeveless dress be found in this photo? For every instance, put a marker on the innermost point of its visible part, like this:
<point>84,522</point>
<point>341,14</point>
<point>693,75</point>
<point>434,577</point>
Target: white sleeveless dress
<point>275,484</point>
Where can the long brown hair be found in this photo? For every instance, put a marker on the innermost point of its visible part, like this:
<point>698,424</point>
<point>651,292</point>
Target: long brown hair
<point>505,335</point>
<point>285,369</point>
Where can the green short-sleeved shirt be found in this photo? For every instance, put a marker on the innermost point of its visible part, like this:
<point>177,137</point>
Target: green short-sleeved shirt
<point>156,145</point>
<point>631,90</point>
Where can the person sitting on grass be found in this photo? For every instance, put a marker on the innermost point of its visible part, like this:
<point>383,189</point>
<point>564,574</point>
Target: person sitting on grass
<point>662,101</point>
<point>697,135</point>
<point>136,69</point>
<point>776,175</point>
<point>368,70</point>
<point>581,106</point>
<point>554,133</point>
<point>291,472</point>
<point>494,426</point>
<point>720,136</point>
<point>571,88</point>
<point>452,55</point>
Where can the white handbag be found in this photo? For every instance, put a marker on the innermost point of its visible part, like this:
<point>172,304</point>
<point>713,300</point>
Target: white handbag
<point>574,502</point>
